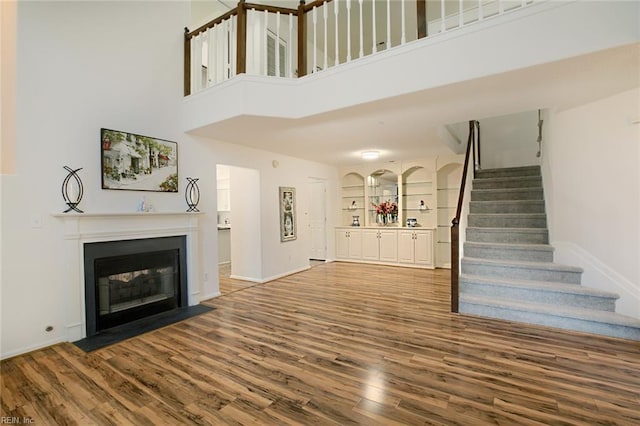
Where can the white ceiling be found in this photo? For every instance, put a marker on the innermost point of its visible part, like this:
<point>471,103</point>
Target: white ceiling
<point>405,127</point>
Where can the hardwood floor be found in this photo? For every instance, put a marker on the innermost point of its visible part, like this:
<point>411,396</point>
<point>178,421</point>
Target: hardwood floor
<point>337,344</point>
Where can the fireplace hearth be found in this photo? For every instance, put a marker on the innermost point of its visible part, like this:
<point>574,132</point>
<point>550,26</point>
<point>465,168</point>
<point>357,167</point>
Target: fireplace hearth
<point>128,280</point>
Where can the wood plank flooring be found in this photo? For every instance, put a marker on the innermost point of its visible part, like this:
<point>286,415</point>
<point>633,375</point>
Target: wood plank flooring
<point>339,344</point>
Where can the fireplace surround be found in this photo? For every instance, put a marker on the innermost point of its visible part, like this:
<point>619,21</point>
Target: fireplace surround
<point>81,229</point>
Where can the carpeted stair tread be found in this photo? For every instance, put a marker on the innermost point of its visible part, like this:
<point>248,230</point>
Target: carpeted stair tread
<point>508,172</point>
<point>556,287</point>
<point>502,229</point>
<point>511,246</point>
<point>590,315</point>
<point>523,264</point>
<point>508,182</point>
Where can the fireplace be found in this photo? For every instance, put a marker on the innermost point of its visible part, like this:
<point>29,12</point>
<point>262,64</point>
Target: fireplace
<point>127,280</point>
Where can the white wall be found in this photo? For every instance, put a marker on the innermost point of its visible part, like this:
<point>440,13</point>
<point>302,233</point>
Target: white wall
<point>246,239</point>
<point>592,188</point>
<point>86,65</point>
<point>509,140</point>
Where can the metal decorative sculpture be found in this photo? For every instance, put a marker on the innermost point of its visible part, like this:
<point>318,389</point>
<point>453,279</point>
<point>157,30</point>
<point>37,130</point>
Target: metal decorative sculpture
<point>192,195</point>
<point>72,190</point>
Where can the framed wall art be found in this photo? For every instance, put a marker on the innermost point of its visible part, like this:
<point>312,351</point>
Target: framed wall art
<point>138,163</point>
<point>288,218</point>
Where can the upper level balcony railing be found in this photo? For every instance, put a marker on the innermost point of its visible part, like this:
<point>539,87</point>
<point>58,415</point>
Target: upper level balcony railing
<point>266,40</point>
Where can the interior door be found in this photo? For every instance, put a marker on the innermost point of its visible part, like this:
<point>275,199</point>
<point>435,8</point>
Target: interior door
<point>317,220</point>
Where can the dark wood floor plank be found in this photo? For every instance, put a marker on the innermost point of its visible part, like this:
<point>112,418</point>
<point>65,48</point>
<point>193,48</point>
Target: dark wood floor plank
<point>339,344</point>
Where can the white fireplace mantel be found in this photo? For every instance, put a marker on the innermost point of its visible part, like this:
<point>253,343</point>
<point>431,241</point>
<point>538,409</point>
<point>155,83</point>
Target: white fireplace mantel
<point>81,228</point>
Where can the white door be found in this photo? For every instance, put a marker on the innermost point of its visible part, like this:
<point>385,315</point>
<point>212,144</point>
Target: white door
<point>388,245</point>
<point>370,244</point>
<point>406,249</point>
<point>317,220</point>
<point>424,248</point>
<point>355,244</point>
<point>342,244</point>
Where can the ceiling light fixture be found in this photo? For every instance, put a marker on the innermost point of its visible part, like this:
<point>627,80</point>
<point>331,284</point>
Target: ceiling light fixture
<point>370,155</point>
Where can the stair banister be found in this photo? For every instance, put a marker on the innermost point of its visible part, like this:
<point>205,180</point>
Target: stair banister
<point>473,144</point>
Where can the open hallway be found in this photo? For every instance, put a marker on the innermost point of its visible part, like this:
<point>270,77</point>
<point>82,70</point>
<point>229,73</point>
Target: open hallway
<point>337,344</point>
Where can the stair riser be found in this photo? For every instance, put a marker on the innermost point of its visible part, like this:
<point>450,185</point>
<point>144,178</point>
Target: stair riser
<point>506,195</point>
<point>528,206</point>
<point>498,221</point>
<point>552,321</point>
<point>539,296</point>
<point>529,182</point>
<point>508,236</point>
<point>508,254</point>
<point>522,273</point>
<point>506,173</point>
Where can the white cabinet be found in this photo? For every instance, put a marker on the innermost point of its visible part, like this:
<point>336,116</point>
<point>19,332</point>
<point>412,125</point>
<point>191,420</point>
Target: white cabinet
<point>415,247</point>
<point>390,246</point>
<point>349,243</point>
<point>380,244</point>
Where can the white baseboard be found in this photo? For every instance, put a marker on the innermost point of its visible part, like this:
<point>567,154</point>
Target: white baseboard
<point>31,348</point>
<point>211,296</point>
<point>600,276</point>
<point>295,271</point>
<point>271,278</point>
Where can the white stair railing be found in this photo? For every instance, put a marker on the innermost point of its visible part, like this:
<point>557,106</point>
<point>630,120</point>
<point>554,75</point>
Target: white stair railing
<point>269,40</point>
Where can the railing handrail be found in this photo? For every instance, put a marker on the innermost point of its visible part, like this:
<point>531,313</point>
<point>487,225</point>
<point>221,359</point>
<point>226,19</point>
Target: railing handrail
<point>473,145</point>
<point>189,35</point>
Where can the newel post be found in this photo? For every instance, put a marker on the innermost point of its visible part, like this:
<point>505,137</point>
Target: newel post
<point>455,264</point>
<point>302,40</point>
<point>187,62</point>
<point>241,41</point>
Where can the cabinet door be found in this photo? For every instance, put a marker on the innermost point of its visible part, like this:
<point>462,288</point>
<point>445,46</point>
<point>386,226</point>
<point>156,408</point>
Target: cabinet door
<point>388,245</point>
<point>342,244</point>
<point>406,247</point>
<point>355,244</point>
<point>370,244</point>
<point>424,248</point>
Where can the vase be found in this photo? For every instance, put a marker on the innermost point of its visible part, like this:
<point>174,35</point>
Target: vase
<point>381,219</point>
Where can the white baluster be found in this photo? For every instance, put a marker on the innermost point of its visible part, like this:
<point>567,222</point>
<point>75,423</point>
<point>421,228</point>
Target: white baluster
<point>289,50</point>
<point>219,70</point>
<point>348,30</point>
<point>460,14</point>
<point>500,7</point>
<point>335,12</point>
<point>389,24</point>
<point>228,60</point>
<point>194,63</point>
<point>374,47</point>
<point>403,40</point>
<point>361,33</point>
<point>315,45</point>
<point>265,70</point>
<point>233,46</point>
<point>211,71</point>
<point>278,44</point>
<point>480,11</point>
<point>325,9</point>
<point>443,26</point>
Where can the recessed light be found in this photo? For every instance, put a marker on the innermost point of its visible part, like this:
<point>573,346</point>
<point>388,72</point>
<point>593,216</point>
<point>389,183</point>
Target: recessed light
<point>370,155</point>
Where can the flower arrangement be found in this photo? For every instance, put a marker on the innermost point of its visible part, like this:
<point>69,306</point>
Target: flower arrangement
<point>387,212</point>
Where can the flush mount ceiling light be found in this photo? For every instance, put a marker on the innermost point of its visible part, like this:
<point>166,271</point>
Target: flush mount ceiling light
<point>370,155</point>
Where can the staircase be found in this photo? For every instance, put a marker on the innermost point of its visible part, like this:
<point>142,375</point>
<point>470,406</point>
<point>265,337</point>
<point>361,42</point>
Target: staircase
<point>508,271</point>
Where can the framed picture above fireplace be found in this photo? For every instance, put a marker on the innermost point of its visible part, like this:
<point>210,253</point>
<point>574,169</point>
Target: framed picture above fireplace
<point>138,163</point>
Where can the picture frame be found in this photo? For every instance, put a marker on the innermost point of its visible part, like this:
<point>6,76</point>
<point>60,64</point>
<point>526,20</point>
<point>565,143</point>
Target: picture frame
<point>288,220</point>
<point>138,163</point>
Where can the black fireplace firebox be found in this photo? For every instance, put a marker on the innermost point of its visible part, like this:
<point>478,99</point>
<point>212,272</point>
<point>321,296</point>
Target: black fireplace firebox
<point>132,279</point>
